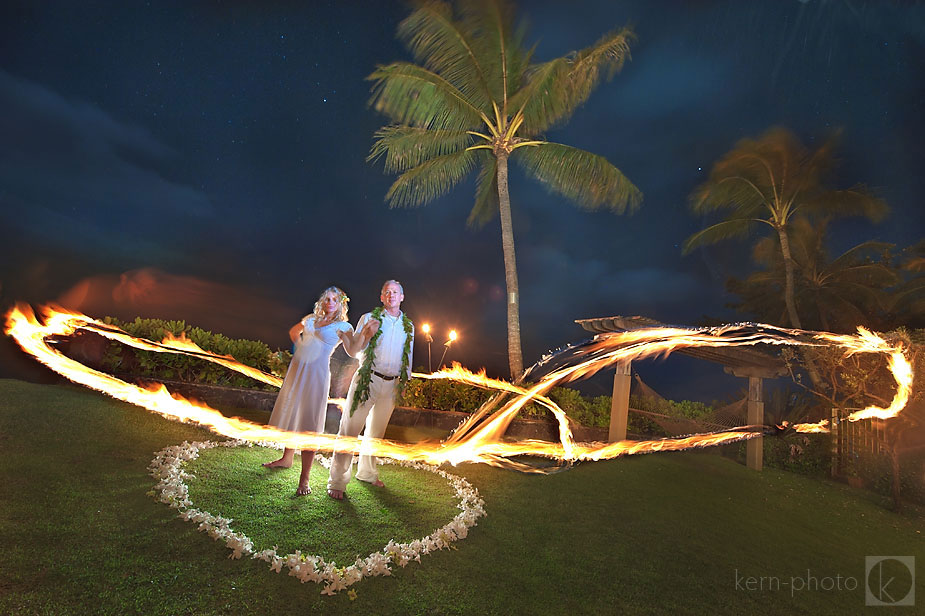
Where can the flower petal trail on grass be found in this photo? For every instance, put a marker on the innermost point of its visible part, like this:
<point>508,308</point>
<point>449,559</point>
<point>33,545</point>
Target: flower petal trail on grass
<point>171,489</point>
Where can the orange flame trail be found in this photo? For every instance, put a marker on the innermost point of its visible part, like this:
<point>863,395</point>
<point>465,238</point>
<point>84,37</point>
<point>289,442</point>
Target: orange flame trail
<point>479,438</point>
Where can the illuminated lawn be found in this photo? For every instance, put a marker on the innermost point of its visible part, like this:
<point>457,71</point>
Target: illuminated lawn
<point>651,534</point>
<point>231,482</point>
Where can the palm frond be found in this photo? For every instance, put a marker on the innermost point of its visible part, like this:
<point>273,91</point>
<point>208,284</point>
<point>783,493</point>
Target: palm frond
<point>844,314</point>
<point>770,162</point>
<point>818,165</point>
<point>499,44</point>
<point>914,264</point>
<point>737,227</point>
<point>732,192</point>
<point>518,61</point>
<point>857,253</point>
<point>486,192</point>
<point>555,89</point>
<point>538,98</point>
<point>405,147</point>
<point>766,252</point>
<point>778,160</point>
<point>607,56</point>
<point>863,288</point>
<point>910,288</point>
<point>587,179</point>
<point>412,95</point>
<point>446,47</point>
<point>914,257</point>
<point>431,179</point>
<point>856,201</point>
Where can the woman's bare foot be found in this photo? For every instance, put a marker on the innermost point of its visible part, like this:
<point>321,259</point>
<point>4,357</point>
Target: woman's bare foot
<point>336,494</point>
<point>281,463</point>
<point>304,489</point>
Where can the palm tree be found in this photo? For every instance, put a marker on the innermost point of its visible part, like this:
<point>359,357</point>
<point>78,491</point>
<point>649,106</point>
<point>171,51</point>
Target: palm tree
<point>907,301</point>
<point>770,180</point>
<point>829,294</point>
<point>473,98</point>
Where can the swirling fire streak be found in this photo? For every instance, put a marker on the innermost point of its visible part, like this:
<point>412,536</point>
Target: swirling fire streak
<point>480,437</point>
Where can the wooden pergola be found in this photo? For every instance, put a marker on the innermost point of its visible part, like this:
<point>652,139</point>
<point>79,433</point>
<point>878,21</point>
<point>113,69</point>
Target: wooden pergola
<point>747,362</point>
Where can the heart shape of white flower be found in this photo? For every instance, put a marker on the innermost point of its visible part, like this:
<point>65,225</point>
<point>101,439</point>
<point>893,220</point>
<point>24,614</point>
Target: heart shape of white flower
<point>171,490</point>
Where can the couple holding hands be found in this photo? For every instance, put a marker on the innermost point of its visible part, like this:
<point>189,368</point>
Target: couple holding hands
<point>383,342</point>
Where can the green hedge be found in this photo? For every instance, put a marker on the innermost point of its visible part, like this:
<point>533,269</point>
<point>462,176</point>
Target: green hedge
<point>588,411</point>
<point>450,396</point>
<point>173,366</point>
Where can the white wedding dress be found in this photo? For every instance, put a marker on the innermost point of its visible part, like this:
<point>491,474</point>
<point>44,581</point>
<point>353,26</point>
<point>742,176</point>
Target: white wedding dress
<point>303,399</point>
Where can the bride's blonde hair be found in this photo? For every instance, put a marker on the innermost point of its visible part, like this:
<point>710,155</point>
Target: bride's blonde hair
<point>342,300</point>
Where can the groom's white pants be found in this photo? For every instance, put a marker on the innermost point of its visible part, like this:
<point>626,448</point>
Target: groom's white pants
<point>374,414</point>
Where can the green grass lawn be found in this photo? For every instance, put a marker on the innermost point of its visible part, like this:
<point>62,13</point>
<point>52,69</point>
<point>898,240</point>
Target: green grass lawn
<point>262,502</point>
<point>652,534</point>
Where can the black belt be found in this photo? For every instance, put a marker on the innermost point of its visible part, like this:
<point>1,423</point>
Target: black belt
<point>384,377</point>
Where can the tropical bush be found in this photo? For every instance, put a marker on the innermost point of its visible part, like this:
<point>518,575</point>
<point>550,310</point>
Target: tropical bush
<point>687,409</point>
<point>876,473</point>
<point>444,395</point>
<point>451,396</point>
<point>173,366</point>
<point>587,411</point>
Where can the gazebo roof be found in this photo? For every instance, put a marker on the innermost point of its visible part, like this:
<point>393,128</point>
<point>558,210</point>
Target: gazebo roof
<point>740,361</point>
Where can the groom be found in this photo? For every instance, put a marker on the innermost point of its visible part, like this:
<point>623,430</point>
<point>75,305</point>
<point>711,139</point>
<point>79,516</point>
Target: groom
<point>385,367</point>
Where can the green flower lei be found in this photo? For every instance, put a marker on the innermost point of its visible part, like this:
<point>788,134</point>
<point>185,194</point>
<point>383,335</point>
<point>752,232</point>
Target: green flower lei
<point>365,373</point>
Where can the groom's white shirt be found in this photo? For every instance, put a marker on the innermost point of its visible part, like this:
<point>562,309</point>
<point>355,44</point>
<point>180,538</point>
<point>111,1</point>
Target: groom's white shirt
<point>388,352</point>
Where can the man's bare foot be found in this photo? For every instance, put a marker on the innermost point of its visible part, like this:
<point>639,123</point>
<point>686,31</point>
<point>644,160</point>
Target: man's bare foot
<point>336,494</point>
<point>304,489</point>
<point>378,483</point>
<point>277,464</point>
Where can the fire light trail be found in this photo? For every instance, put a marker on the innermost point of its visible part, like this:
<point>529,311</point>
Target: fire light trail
<point>479,438</point>
<point>171,344</point>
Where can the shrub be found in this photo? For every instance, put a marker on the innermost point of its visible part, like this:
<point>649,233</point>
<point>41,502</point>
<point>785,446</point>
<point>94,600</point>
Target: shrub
<point>174,366</point>
<point>688,409</point>
<point>876,471</point>
<point>595,412</point>
<point>444,395</point>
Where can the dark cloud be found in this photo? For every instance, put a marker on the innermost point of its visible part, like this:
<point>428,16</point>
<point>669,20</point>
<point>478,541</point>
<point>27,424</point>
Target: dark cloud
<point>567,279</point>
<point>80,180</point>
<point>235,311</point>
<point>66,155</point>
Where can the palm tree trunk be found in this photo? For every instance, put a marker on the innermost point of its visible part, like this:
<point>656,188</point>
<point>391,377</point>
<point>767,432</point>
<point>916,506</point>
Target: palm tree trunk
<point>788,279</point>
<point>514,353</point>
<point>811,369</point>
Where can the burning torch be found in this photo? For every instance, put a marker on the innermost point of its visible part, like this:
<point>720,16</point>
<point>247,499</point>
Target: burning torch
<point>446,345</point>
<point>426,329</point>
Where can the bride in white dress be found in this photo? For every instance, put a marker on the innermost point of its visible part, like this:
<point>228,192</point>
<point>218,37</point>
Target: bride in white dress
<point>303,398</point>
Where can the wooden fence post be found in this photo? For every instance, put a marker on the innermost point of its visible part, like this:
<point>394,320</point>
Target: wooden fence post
<point>620,402</point>
<point>754,448</point>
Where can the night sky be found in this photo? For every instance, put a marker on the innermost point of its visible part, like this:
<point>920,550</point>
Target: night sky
<point>206,161</point>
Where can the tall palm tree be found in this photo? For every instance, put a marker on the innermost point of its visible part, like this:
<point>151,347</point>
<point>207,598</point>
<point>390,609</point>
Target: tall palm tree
<point>830,294</point>
<point>473,98</point>
<point>769,181</point>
